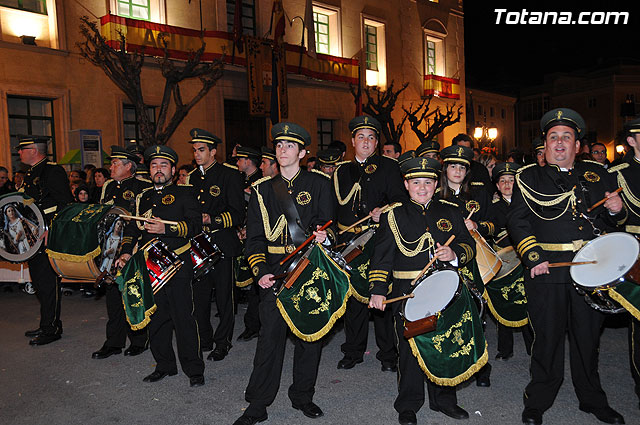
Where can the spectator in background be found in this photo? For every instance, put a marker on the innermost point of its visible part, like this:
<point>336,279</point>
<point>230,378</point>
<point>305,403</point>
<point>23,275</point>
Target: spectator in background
<point>476,155</point>
<point>5,184</point>
<point>489,161</point>
<point>599,154</point>
<point>100,175</point>
<point>311,163</point>
<point>18,179</point>
<point>88,170</point>
<point>81,194</point>
<point>183,172</point>
<point>74,184</point>
<point>391,150</point>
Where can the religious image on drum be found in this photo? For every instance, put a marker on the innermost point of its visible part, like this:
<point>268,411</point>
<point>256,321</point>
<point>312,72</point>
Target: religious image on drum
<point>19,231</point>
<point>111,244</point>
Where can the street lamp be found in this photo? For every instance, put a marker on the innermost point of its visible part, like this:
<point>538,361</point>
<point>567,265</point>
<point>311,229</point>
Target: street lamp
<point>485,135</point>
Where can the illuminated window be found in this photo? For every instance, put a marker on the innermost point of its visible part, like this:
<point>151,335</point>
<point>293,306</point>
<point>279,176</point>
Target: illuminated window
<point>371,46</point>
<point>321,27</point>
<point>37,6</point>
<point>130,121</point>
<point>375,53</point>
<point>136,9</point>
<point>325,133</point>
<point>248,16</point>
<point>30,116</point>
<point>326,24</point>
<point>431,57</point>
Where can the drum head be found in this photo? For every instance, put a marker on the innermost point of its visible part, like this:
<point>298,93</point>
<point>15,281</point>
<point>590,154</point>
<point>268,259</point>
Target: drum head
<point>615,253</point>
<point>432,295</point>
<point>509,259</point>
<point>22,224</point>
<point>359,240</point>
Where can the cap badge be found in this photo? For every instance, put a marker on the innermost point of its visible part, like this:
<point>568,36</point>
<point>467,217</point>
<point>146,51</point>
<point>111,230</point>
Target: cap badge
<point>559,115</point>
<point>460,151</point>
<point>195,133</point>
<point>286,129</point>
<point>366,120</point>
<point>423,163</point>
<point>157,149</point>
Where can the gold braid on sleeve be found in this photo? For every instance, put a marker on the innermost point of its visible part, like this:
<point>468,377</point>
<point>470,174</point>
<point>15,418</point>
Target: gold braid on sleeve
<point>281,223</point>
<point>629,198</point>
<point>402,243</point>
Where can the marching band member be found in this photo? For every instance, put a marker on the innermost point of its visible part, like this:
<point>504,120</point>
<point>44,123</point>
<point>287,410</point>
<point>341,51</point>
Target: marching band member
<point>174,301</point>
<point>273,231</point>
<point>219,190</point>
<point>427,223</point>
<point>362,187</point>
<point>548,221</point>
<point>121,190</point>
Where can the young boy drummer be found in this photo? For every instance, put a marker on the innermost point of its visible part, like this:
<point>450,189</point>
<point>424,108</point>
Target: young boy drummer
<point>429,223</point>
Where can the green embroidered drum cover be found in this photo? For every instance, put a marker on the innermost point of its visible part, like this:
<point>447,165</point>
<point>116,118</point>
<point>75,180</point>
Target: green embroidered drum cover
<point>506,298</point>
<point>360,271</point>
<point>137,295</point>
<point>628,295</point>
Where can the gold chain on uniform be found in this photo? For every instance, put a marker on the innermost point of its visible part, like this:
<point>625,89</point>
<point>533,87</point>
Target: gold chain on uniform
<point>569,196</point>
<point>281,223</point>
<point>628,194</point>
<point>355,189</point>
<point>400,241</point>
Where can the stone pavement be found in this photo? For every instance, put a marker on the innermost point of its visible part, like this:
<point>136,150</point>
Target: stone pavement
<point>61,384</point>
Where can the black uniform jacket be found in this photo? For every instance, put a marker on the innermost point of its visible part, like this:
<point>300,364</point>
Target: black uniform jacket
<point>47,183</point>
<point>268,239</point>
<point>628,178</point>
<point>170,202</point>
<point>123,193</point>
<point>547,207</point>
<point>478,199</point>
<point>379,181</point>
<point>498,211</point>
<point>399,234</point>
<point>219,191</point>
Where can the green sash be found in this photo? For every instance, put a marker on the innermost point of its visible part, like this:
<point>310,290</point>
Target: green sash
<point>137,295</point>
<point>471,276</point>
<point>242,272</point>
<point>457,348</point>
<point>628,295</point>
<point>317,298</point>
<point>360,271</point>
<point>73,235</point>
<point>506,298</point>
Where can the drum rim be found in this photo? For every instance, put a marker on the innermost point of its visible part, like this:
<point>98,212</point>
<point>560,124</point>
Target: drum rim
<point>456,294</point>
<point>19,197</point>
<point>351,243</point>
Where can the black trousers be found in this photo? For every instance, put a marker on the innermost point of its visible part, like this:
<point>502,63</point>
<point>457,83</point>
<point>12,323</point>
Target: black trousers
<point>47,286</point>
<point>222,279</point>
<point>505,338</point>
<point>252,316</point>
<point>175,312</point>
<point>411,379</point>
<point>267,363</point>
<point>117,326</point>
<point>555,308</point>
<point>356,329</point>
<point>634,352</point>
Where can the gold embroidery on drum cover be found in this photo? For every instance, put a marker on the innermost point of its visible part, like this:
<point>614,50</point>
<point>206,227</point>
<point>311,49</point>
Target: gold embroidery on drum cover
<point>472,206</point>
<point>312,293</point>
<point>214,190</point>
<point>533,256</point>
<point>168,199</point>
<point>591,176</point>
<point>303,198</point>
<point>457,336</point>
<point>444,225</point>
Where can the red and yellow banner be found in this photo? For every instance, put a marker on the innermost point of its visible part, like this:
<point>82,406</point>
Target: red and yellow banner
<point>435,85</point>
<point>183,41</point>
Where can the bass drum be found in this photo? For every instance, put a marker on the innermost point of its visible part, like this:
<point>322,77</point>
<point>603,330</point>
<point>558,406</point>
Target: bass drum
<point>23,227</point>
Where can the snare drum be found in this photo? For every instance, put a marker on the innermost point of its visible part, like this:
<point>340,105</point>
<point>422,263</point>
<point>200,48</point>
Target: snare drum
<point>204,255</point>
<point>356,246</point>
<point>431,296</point>
<point>85,240</point>
<point>509,260</point>
<point>22,225</point>
<point>617,261</point>
<point>162,263</point>
<point>357,255</point>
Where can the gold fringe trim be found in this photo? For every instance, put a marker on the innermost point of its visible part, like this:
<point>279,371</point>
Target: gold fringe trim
<point>357,296</point>
<point>74,258</point>
<point>450,382</point>
<point>145,321</point>
<point>244,283</point>
<point>500,319</point>
<point>624,303</point>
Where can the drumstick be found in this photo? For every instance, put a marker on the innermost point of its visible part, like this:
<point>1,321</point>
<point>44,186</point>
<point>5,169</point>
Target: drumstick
<point>499,240</point>
<point>360,221</point>
<point>572,263</point>
<point>134,217</point>
<point>602,201</point>
<point>392,300</point>
<point>305,243</point>
<point>278,276</point>
<point>435,257</point>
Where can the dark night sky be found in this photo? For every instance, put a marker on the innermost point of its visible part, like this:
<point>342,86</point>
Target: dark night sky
<point>506,57</point>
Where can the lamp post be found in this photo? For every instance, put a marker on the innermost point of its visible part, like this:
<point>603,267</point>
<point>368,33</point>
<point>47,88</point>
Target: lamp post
<point>485,136</point>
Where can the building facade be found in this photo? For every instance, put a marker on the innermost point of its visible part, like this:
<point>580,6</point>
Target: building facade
<point>48,88</point>
<point>493,110</point>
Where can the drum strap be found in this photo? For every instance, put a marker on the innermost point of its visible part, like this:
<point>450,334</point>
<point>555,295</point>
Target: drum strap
<point>294,223</point>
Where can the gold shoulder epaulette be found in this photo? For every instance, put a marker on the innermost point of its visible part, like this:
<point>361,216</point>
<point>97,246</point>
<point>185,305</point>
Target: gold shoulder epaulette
<point>477,184</point>
<point>107,182</point>
<point>192,171</point>
<point>51,163</point>
<point>233,167</point>
<point>392,206</point>
<point>142,179</point>
<point>341,163</point>
<point>185,184</point>
<point>145,189</point>
<point>495,200</point>
<point>260,180</point>
<point>519,170</point>
<point>394,159</point>
<point>593,162</point>
<point>313,170</point>
<point>437,190</point>
<point>618,167</point>
<point>444,201</point>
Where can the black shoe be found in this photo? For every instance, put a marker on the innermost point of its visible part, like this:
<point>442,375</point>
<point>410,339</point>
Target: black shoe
<point>389,367</point>
<point>531,416</point>
<point>348,363</point>
<point>43,339</point>
<point>310,410</point>
<point>250,420</point>
<point>157,376</point>
<point>219,353</point>
<point>504,356</point>
<point>196,381</point>
<point>105,352</point>
<point>134,350</point>
<point>455,412</point>
<point>247,335</point>
<point>32,333</point>
<point>408,417</point>
<point>604,414</point>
